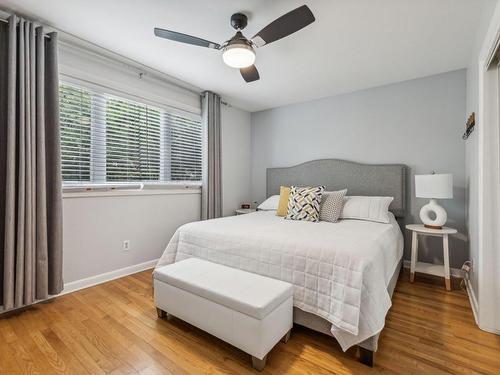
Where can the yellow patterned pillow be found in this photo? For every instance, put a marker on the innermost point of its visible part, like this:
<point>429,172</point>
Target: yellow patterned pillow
<point>283,204</point>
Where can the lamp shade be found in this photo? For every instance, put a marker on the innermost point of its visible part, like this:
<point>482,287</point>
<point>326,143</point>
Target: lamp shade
<point>238,55</point>
<point>438,186</point>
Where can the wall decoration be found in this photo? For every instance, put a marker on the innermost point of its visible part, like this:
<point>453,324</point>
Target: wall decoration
<point>469,125</point>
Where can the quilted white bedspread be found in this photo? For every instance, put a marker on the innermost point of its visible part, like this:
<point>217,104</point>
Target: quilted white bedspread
<point>340,271</point>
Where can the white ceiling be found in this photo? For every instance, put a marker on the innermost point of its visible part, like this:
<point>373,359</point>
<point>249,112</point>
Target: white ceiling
<point>354,44</point>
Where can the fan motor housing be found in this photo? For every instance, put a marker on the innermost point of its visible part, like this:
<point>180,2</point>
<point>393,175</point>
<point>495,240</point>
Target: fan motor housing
<point>239,21</point>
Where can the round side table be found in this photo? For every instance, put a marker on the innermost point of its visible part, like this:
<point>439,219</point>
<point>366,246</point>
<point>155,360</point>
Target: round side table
<point>429,268</point>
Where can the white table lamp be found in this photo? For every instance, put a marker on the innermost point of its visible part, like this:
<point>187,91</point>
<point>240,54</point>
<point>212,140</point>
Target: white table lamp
<point>434,186</point>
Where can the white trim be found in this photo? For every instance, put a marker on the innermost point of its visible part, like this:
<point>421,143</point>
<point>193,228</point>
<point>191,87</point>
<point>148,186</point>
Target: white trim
<point>455,272</point>
<point>95,280</point>
<point>122,193</point>
<point>494,330</point>
<point>472,299</point>
<point>488,259</point>
<point>79,187</point>
<point>107,276</point>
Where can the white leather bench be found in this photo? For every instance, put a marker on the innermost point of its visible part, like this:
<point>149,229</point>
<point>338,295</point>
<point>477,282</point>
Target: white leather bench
<point>249,311</point>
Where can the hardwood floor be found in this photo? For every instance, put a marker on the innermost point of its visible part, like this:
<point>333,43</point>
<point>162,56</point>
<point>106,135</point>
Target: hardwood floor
<point>112,328</point>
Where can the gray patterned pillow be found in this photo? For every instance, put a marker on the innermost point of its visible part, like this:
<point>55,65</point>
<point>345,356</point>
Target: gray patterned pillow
<point>331,205</point>
<point>304,203</point>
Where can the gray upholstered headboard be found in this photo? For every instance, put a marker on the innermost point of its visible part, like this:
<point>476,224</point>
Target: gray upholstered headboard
<point>360,179</point>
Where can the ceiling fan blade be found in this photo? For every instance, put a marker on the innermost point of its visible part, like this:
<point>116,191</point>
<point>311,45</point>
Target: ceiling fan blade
<point>184,38</point>
<point>285,25</point>
<point>250,73</point>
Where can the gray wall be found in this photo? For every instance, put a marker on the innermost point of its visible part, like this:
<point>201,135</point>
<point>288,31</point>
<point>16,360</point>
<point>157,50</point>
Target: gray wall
<point>418,123</point>
<point>236,159</point>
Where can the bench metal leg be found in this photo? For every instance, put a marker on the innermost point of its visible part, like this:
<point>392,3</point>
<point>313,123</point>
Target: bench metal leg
<point>286,337</point>
<point>161,314</point>
<point>366,356</point>
<point>259,364</point>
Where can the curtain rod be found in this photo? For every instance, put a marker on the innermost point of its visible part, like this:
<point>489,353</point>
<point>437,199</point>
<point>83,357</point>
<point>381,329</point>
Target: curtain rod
<point>7,21</point>
<point>75,41</point>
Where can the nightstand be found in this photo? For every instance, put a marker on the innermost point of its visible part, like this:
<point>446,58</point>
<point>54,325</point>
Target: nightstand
<point>428,268</point>
<point>242,211</point>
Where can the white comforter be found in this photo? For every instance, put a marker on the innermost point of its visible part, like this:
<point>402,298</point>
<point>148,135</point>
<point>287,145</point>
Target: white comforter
<point>340,271</point>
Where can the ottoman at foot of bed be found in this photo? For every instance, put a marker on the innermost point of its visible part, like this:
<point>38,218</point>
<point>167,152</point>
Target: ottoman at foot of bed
<point>259,364</point>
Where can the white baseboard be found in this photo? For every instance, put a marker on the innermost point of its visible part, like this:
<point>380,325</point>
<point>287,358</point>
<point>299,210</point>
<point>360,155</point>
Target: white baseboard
<point>107,276</point>
<point>472,299</point>
<point>95,280</point>
<point>455,272</point>
<point>496,331</point>
<point>475,309</point>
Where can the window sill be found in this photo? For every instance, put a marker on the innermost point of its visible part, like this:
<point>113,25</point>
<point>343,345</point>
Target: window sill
<point>164,189</point>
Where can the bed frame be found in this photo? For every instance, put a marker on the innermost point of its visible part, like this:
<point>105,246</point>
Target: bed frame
<point>360,179</point>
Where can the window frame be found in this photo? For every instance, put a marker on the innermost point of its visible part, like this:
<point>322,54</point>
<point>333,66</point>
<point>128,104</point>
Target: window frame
<point>98,182</point>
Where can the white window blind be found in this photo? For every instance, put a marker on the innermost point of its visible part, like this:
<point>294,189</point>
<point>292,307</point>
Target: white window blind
<point>108,139</point>
<point>132,141</point>
<point>74,117</point>
<point>183,139</point>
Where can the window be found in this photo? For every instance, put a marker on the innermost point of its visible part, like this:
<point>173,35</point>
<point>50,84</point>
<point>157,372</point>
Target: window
<point>132,141</point>
<point>107,139</point>
<point>184,141</point>
<point>74,116</point>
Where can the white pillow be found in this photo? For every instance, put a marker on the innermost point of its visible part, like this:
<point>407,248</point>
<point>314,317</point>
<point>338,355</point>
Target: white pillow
<point>270,203</point>
<point>367,208</point>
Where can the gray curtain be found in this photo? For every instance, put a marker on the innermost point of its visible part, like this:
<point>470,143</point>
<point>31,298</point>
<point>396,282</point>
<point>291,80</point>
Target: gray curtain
<point>211,193</point>
<point>30,177</point>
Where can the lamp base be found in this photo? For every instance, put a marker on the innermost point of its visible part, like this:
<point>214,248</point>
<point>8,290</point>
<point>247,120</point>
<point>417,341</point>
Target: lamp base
<point>433,209</point>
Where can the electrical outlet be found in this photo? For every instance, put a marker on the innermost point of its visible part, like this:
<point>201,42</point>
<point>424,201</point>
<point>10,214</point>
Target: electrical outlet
<point>126,245</point>
<point>467,268</point>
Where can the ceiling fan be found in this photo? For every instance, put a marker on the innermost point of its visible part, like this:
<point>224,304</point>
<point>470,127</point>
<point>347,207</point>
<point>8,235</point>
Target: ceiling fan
<point>239,52</point>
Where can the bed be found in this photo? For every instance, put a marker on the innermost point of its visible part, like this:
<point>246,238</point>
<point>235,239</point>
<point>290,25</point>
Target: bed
<point>343,273</point>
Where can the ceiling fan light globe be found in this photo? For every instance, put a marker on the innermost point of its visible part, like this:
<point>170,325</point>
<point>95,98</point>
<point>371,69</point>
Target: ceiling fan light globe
<point>238,56</point>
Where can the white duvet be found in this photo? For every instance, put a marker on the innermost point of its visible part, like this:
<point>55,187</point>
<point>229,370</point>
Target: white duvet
<point>340,271</point>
